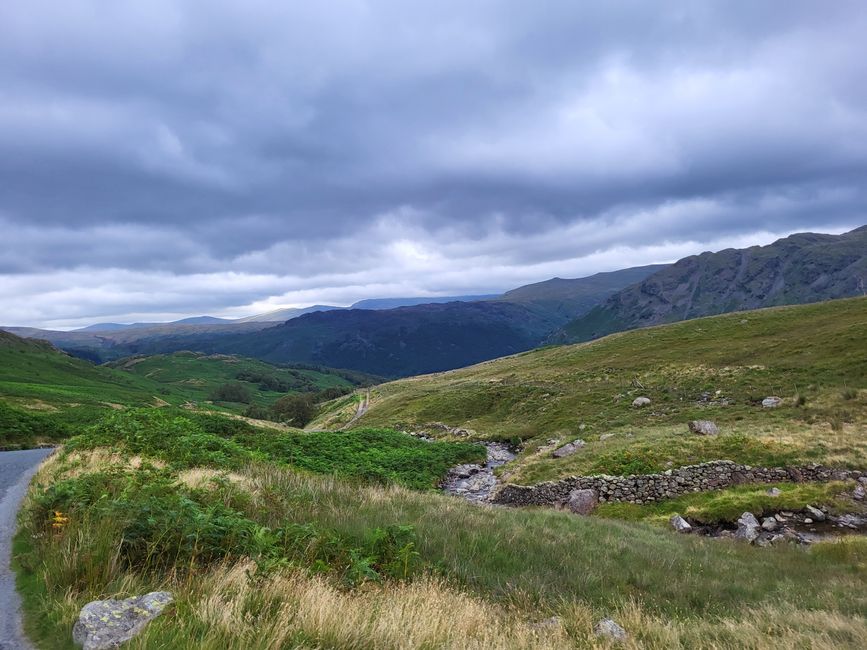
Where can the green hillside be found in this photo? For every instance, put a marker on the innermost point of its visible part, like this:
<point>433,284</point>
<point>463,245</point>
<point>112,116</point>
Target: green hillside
<point>35,374</point>
<point>719,368</point>
<point>195,376</point>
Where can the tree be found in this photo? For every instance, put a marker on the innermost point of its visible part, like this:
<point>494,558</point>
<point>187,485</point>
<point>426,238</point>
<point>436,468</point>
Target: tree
<point>232,392</point>
<point>296,410</point>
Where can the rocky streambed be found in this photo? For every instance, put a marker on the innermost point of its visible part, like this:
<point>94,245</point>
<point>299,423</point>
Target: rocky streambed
<point>474,482</point>
<point>806,526</point>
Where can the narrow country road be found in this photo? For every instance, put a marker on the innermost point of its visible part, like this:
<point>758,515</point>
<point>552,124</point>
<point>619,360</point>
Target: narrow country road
<point>363,405</point>
<point>16,469</point>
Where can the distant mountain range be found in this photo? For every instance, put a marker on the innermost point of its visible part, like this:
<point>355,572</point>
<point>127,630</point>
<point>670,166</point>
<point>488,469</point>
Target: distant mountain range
<point>281,315</point>
<point>421,335</point>
<point>399,337</point>
<point>802,268</point>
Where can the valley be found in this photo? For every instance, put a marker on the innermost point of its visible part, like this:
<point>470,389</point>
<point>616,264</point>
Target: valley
<point>243,468</point>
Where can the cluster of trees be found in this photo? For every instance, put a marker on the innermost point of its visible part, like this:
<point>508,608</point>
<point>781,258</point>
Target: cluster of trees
<point>296,409</point>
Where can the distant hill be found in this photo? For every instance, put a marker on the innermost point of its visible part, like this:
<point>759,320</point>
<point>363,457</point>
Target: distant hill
<point>394,342</point>
<point>568,298</point>
<point>802,268</point>
<point>394,303</point>
<point>115,327</point>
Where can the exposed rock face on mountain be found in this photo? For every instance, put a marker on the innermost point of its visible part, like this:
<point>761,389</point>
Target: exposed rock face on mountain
<point>799,269</point>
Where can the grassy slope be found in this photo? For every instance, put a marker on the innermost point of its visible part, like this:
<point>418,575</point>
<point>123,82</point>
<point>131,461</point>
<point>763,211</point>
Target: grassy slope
<point>504,569</point>
<point>194,376</point>
<point>34,373</point>
<point>815,352</point>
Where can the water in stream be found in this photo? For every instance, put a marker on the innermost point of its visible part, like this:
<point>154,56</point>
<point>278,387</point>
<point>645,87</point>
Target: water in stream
<point>476,483</point>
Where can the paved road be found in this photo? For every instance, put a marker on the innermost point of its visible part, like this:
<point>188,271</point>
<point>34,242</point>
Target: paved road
<point>16,469</point>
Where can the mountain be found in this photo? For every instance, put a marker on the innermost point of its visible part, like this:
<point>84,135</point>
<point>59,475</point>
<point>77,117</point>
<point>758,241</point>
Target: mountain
<point>569,298</point>
<point>393,303</point>
<point>282,315</point>
<point>388,342</point>
<point>116,327</point>
<point>802,268</point>
<point>394,342</point>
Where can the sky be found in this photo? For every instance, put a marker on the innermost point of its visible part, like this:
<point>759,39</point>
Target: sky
<point>172,158</point>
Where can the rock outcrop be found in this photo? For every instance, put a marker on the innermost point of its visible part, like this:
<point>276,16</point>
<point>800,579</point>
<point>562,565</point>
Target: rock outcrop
<point>568,449</point>
<point>703,427</point>
<point>104,624</point>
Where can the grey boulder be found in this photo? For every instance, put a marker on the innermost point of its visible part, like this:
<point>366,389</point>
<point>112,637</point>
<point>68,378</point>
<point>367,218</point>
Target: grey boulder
<point>703,427</point>
<point>771,402</point>
<point>748,527</point>
<point>106,624</point>
<point>609,629</point>
<point>640,402</point>
<point>569,449</point>
<point>680,524</point>
<point>815,514</point>
<point>582,502</point>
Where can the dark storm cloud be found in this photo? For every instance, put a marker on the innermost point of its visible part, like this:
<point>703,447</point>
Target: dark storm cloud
<point>324,149</point>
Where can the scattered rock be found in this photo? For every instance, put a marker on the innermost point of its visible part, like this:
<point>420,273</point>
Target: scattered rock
<point>807,520</point>
<point>640,402</point>
<point>569,449</point>
<point>582,502</point>
<point>771,402</point>
<point>748,527</point>
<point>610,629</point>
<point>109,623</point>
<point>815,513</point>
<point>770,524</point>
<point>773,492</point>
<point>859,493</point>
<point>703,427</point>
<point>606,436</point>
<point>680,524</point>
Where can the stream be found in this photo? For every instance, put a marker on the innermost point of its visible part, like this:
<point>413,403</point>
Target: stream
<point>476,483</point>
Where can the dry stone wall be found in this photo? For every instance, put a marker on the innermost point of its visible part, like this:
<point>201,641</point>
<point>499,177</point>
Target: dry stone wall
<point>646,488</point>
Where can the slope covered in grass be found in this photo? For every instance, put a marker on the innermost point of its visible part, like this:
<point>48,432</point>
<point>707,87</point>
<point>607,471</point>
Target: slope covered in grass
<point>718,368</point>
<point>35,373</point>
<point>288,559</point>
<point>196,376</point>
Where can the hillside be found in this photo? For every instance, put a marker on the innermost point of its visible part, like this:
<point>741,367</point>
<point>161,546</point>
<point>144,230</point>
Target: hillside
<point>395,342</point>
<point>799,269</point>
<point>35,373</point>
<point>565,299</point>
<point>717,368</point>
<point>195,376</point>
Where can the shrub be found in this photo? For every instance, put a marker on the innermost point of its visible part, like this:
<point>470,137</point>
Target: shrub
<point>296,410</point>
<point>232,392</point>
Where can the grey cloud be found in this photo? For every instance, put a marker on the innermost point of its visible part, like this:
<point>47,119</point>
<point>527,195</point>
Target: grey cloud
<point>196,137</point>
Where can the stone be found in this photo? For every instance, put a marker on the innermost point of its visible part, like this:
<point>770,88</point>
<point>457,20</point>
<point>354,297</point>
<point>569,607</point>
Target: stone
<point>807,520</point>
<point>859,493</point>
<point>109,623</point>
<point>640,402</point>
<point>771,402</point>
<point>748,527</point>
<point>770,524</point>
<point>569,449</point>
<point>814,513</point>
<point>773,492</point>
<point>606,436</point>
<point>609,629</point>
<point>680,524</point>
<point>703,427</point>
<point>582,502</point>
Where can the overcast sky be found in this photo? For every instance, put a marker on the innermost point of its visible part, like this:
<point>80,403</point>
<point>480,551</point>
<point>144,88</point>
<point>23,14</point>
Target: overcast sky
<point>169,158</point>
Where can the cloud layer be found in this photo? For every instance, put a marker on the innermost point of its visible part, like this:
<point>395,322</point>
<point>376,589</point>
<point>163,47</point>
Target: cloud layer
<point>170,158</point>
